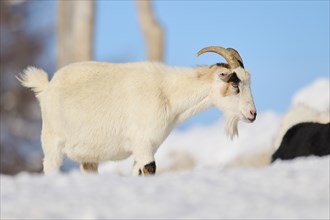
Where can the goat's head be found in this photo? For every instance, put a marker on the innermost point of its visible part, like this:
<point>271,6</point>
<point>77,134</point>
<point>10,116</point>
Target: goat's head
<point>231,90</point>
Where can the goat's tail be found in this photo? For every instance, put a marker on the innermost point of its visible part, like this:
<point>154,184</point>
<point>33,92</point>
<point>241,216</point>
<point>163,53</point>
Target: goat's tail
<point>35,79</point>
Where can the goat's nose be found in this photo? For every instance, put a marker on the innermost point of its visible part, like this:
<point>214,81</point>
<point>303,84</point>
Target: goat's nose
<point>253,112</point>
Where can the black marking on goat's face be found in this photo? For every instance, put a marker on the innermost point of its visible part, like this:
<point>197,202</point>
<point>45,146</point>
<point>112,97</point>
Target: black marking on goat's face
<point>232,85</point>
<point>234,79</point>
<point>234,82</point>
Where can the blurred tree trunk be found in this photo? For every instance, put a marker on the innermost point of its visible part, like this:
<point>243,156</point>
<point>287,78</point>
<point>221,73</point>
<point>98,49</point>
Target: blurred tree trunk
<point>75,22</point>
<point>19,116</point>
<point>152,30</point>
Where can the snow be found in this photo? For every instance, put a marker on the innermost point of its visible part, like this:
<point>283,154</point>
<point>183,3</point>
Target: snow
<point>316,95</point>
<point>296,189</point>
<point>200,174</point>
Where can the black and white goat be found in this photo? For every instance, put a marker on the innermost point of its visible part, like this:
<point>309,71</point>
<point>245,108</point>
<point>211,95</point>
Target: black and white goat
<point>304,139</point>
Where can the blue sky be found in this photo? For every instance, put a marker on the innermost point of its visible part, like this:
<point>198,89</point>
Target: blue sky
<point>284,44</point>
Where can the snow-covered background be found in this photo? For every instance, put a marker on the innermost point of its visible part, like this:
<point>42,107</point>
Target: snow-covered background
<point>202,174</point>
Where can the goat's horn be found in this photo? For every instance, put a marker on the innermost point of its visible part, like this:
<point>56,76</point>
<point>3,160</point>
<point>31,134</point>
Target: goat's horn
<point>229,57</point>
<point>235,54</point>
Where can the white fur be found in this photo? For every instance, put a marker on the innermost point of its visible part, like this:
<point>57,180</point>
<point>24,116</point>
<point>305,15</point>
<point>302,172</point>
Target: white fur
<point>93,112</point>
<point>34,78</point>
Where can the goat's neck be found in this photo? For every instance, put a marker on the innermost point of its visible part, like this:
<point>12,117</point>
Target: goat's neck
<point>189,92</point>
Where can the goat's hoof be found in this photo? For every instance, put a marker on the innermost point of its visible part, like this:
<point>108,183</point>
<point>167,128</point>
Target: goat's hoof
<point>149,169</point>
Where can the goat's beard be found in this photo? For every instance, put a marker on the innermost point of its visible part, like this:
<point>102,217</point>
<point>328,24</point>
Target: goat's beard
<point>231,125</point>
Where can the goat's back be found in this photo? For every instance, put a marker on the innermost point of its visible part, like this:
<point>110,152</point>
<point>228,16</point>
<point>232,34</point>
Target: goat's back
<point>104,104</point>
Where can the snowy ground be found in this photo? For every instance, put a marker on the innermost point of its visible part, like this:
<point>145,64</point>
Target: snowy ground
<point>296,189</point>
<point>202,174</point>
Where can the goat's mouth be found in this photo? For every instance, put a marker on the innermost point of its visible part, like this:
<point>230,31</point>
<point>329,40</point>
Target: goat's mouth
<point>248,119</point>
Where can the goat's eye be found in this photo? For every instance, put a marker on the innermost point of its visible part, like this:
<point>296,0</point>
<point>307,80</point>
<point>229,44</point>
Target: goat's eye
<point>235,85</point>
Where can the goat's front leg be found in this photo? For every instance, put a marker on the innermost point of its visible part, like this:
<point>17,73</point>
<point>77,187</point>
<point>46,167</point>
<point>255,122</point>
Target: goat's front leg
<point>144,163</point>
<point>148,169</point>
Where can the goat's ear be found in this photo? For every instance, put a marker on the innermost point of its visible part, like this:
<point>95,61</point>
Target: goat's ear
<point>224,76</point>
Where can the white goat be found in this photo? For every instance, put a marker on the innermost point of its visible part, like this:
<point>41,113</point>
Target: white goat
<point>93,111</point>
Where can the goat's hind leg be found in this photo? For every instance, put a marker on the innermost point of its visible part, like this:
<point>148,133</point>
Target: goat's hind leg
<point>87,167</point>
<point>53,155</point>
